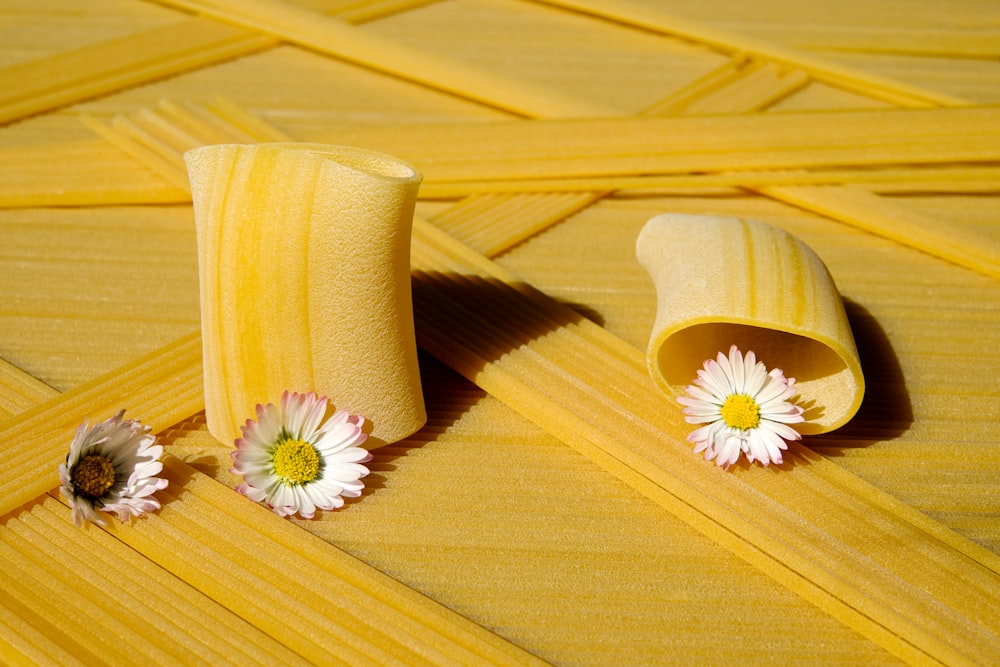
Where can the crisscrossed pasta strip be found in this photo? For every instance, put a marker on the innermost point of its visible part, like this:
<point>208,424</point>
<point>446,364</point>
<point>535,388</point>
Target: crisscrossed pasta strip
<point>525,380</point>
<point>944,178</point>
<point>336,38</point>
<point>869,211</point>
<point>560,148</point>
<point>83,173</point>
<point>96,172</point>
<point>162,388</point>
<point>945,41</point>
<point>552,367</point>
<point>654,18</point>
<point>68,77</point>
<point>49,557</point>
<point>494,224</point>
<point>19,391</point>
<point>229,571</point>
<point>760,86</point>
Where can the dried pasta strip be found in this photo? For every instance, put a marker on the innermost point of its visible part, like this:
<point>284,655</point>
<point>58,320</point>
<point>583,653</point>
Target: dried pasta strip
<point>941,42</point>
<point>84,173</point>
<point>238,117</point>
<point>63,627</point>
<point>421,630</point>
<point>943,178</point>
<point>158,138</point>
<point>812,527</point>
<point>306,568</point>
<point>492,223</point>
<point>581,148</point>
<point>332,37</point>
<point>763,86</point>
<point>149,172</point>
<point>30,177</point>
<point>219,629</point>
<point>42,575</point>
<point>497,224</point>
<point>202,122</point>
<point>131,143</point>
<point>47,83</point>
<point>897,221</point>
<point>101,587</point>
<point>20,391</point>
<point>168,138</point>
<point>161,388</point>
<point>27,637</point>
<point>652,18</point>
<point>96,173</point>
<point>719,78</point>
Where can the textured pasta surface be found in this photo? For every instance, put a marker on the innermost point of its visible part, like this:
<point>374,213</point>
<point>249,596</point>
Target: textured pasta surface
<point>536,499</point>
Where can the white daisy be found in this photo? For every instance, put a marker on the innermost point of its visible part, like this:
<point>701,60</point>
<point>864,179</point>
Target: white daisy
<point>744,408</point>
<point>298,462</point>
<point>112,466</point>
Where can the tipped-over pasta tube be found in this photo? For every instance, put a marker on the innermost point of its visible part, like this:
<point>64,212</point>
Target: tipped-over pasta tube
<point>723,281</point>
<point>305,281</point>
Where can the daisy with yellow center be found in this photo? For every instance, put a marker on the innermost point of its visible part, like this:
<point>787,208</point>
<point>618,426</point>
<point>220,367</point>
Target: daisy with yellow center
<point>744,408</point>
<point>112,466</point>
<point>297,461</point>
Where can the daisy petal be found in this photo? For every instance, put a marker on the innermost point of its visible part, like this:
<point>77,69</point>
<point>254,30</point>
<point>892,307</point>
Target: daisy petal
<point>297,461</point>
<point>112,466</point>
<point>757,423</point>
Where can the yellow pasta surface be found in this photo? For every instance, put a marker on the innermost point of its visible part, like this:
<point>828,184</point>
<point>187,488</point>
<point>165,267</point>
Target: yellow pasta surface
<point>550,510</point>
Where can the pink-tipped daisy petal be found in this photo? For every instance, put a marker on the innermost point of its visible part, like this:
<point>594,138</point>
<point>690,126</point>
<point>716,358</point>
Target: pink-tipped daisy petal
<point>743,408</point>
<point>113,467</point>
<point>297,460</point>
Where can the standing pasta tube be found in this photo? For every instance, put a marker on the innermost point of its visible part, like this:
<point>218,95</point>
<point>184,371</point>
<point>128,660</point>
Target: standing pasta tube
<point>723,281</point>
<point>304,264</point>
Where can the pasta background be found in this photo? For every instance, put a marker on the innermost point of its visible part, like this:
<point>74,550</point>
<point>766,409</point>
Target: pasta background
<point>550,510</point>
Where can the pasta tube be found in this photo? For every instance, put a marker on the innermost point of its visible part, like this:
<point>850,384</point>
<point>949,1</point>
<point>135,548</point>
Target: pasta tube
<point>723,281</point>
<point>305,281</point>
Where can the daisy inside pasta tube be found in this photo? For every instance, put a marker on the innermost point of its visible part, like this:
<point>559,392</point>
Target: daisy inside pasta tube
<point>724,282</point>
<point>744,409</point>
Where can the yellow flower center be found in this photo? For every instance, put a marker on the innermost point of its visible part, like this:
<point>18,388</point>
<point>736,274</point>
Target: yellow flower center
<point>296,461</point>
<point>93,475</point>
<point>740,411</point>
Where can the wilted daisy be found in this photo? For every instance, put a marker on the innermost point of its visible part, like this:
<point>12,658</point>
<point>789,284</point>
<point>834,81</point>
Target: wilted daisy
<point>112,466</point>
<point>298,462</point>
<point>744,408</point>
